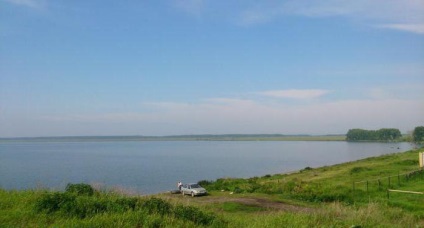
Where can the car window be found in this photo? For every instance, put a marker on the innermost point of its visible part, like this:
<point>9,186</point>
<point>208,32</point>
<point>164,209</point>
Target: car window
<point>195,186</point>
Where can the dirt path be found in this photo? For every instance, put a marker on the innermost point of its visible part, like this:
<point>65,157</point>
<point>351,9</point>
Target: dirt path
<point>259,202</point>
<point>268,204</point>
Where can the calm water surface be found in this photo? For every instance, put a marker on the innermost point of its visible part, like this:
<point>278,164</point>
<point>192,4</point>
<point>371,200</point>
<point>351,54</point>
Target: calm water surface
<point>151,167</point>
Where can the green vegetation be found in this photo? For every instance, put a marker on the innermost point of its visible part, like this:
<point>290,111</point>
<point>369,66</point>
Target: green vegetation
<point>77,207</point>
<point>418,134</point>
<point>384,134</point>
<point>344,195</point>
<point>335,183</point>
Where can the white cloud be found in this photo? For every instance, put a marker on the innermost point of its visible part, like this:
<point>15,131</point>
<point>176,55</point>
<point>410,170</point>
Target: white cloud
<point>36,4</point>
<point>295,93</point>
<point>415,28</point>
<point>406,15</point>
<point>222,115</point>
<point>194,7</point>
<point>398,106</point>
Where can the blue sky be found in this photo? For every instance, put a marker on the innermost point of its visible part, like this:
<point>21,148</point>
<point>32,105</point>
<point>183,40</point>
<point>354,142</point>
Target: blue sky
<point>209,67</point>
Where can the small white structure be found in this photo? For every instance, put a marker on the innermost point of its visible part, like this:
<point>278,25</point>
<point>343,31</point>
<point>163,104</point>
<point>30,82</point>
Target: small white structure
<point>421,158</point>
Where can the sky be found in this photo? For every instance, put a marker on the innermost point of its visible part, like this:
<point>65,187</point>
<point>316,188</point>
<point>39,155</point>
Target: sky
<point>173,67</point>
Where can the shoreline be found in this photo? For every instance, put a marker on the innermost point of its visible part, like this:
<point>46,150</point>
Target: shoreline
<point>225,137</point>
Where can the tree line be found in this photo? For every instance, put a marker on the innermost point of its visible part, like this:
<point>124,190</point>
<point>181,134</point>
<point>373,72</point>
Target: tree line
<point>384,134</point>
<point>418,134</point>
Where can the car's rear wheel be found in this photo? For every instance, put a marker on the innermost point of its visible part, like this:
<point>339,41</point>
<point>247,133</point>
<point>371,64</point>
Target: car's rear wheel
<point>192,194</point>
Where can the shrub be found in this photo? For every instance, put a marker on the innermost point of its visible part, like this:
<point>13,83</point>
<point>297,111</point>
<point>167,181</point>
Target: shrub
<point>205,183</point>
<point>80,189</point>
<point>306,169</point>
<point>193,214</point>
<point>125,204</point>
<point>70,204</point>
<point>86,207</point>
<point>156,205</point>
<point>52,202</point>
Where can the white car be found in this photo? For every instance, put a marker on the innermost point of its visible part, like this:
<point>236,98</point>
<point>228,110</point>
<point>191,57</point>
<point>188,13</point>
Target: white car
<point>193,190</point>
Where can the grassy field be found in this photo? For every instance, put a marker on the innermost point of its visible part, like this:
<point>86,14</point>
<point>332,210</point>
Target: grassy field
<point>333,196</point>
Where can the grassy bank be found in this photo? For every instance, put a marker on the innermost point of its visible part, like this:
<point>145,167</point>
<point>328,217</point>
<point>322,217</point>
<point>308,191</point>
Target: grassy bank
<point>333,196</point>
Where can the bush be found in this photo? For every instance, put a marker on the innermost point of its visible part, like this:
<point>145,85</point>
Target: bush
<point>306,169</point>
<point>52,202</point>
<point>155,205</point>
<point>205,183</point>
<point>125,204</point>
<point>70,204</point>
<point>193,214</point>
<point>86,207</point>
<point>80,189</point>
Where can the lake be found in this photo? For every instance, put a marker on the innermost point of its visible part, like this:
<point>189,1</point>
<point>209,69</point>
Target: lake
<point>155,166</point>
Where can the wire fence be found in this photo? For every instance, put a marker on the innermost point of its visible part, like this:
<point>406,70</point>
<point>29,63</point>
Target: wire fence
<point>387,182</point>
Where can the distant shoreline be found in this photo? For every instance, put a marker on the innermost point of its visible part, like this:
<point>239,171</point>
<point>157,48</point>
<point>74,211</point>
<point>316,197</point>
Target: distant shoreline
<point>223,137</point>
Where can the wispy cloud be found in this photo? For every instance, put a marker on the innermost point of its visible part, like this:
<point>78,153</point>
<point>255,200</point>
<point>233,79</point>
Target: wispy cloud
<point>244,116</point>
<point>415,28</point>
<point>391,14</point>
<point>193,7</point>
<point>295,93</point>
<point>399,106</point>
<point>35,4</point>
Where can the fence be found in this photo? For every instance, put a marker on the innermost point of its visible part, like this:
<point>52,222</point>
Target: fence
<point>401,191</point>
<point>384,183</point>
<point>387,182</point>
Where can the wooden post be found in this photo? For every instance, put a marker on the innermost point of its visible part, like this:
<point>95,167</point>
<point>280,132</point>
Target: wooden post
<point>389,183</point>
<point>398,179</point>
<point>367,186</point>
<point>379,184</point>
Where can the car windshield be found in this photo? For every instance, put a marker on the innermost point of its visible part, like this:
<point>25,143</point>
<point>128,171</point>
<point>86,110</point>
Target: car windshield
<point>195,186</point>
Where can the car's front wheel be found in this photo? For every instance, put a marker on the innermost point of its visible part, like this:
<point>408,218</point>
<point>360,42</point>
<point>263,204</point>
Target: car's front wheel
<point>192,194</point>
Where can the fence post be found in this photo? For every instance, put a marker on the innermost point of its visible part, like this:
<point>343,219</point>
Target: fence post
<point>379,184</point>
<point>389,182</point>
<point>398,178</point>
<point>388,194</point>
<point>367,186</point>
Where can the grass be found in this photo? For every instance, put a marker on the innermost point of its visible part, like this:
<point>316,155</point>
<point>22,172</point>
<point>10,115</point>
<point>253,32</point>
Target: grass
<point>239,207</point>
<point>312,197</point>
<point>100,209</point>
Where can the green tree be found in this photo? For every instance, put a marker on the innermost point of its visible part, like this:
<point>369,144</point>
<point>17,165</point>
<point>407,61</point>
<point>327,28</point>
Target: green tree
<point>418,134</point>
<point>388,134</point>
<point>384,134</point>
